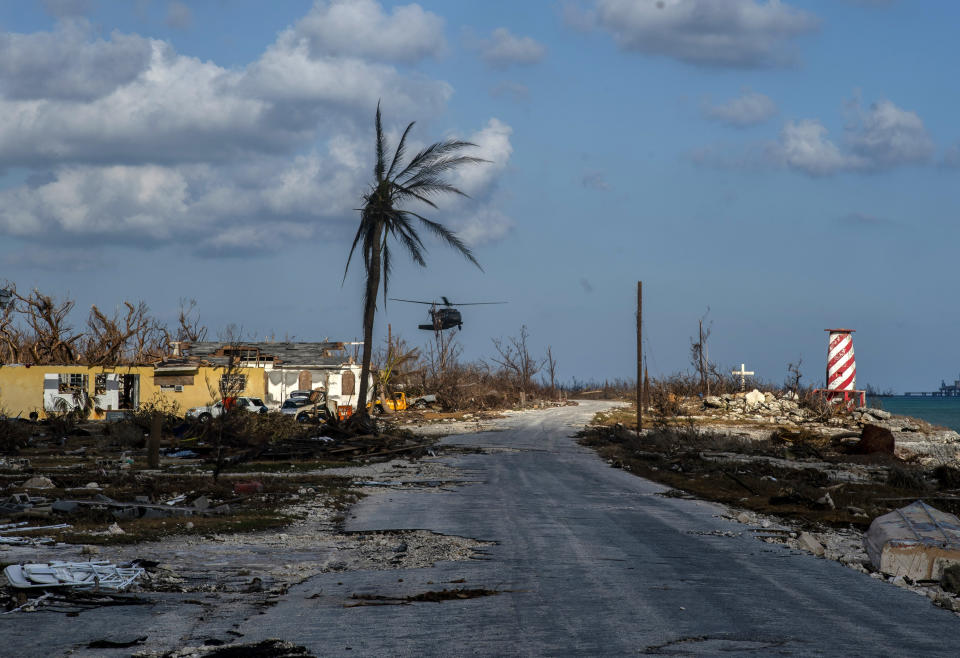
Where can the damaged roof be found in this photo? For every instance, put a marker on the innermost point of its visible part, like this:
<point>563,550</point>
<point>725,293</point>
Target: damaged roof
<point>280,353</point>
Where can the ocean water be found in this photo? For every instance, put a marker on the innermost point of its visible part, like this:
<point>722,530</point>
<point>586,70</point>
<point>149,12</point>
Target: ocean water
<point>937,411</point>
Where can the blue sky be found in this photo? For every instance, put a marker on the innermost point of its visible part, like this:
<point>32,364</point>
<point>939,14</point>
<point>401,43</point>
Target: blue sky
<point>790,166</point>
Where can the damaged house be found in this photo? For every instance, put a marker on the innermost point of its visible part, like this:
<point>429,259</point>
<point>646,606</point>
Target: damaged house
<point>194,375</point>
<point>289,367</point>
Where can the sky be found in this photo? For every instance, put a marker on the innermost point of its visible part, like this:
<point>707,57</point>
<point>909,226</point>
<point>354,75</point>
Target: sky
<point>776,168</point>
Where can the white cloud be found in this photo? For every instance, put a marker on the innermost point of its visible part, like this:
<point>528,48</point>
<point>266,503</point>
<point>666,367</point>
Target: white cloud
<point>485,226</point>
<point>731,33</point>
<point>888,136</point>
<point>748,109</point>
<point>360,28</point>
<point>804,146</point>
<point>504,49</point>
<point>166,107</point>
<point>493,145</point>
<point>476,219</point>
<point>878,139</point>
<point>288,73</point>
<point>883,137</point>
<point>68,64</point>
<point>176,150</point>
<point>217,209</point>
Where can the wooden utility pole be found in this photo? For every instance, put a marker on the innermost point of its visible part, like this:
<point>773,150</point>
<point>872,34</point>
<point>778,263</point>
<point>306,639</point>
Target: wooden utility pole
<point>639,357</point>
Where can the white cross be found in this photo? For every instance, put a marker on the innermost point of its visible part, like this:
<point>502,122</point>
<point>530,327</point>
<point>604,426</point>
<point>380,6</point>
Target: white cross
<point>743,372</point>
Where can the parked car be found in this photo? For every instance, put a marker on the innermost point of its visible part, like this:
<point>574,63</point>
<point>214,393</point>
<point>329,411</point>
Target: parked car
<point>300,393</point>
<point>310,408</point>
<point>203,414</point>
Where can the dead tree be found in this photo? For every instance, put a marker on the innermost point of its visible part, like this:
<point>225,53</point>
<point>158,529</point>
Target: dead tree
<point>699,358</point>
<point>515,359</point>
<point>189,328</point>
<point>393,363</point>
<point>134,338</point>
<point>35,329</point>
<point>793,376</point>
<point>51,339</point>
<point>551,366</point>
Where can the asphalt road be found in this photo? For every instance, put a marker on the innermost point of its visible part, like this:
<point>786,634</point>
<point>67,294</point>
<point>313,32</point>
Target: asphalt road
<point>588,561</point>
<point>592,561</point>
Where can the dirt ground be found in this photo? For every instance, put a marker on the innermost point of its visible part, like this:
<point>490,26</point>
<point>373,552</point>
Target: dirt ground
<point>271,518</point>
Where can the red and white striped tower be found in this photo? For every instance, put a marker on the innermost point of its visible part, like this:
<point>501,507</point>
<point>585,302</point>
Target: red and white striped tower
<point>841,364</point>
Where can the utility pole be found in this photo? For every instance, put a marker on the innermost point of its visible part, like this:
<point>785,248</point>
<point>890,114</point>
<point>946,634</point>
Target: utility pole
<point>639,357</point>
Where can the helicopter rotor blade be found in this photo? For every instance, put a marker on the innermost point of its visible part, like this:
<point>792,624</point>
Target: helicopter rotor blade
<point>474,303</point>
<point>412,301</point>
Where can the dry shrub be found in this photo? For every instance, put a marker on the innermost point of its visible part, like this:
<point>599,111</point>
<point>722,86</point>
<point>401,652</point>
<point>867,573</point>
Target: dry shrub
<point>947,476</point>
<point>126,434</point>
<point>14,434</point>
<point>244,428</point>
<point>142,417</point>
<point>904,477</point>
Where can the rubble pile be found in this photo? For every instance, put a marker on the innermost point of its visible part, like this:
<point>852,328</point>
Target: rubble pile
<point>755,413</point>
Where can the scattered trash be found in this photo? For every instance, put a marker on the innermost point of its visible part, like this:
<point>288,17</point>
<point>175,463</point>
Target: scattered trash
<point>917,541</point>
<point>30,604</point>
<point>38,482</point>
<point>182,454</point>
<point>99,575</point>
<point>127,510</point>
<point>247,487</point>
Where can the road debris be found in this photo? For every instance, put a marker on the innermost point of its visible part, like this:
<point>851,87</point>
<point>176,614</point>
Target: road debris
<point>98,575</point>
<point>917,542</point>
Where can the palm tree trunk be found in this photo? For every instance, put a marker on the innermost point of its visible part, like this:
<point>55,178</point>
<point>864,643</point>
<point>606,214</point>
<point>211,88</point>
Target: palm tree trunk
<point>369,310</point>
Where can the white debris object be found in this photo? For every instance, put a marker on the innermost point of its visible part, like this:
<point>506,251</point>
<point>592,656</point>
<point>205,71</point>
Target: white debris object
<point>916,541</point>
<point>99,575</point>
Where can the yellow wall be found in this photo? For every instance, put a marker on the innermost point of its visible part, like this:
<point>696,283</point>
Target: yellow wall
<point>21,387</point>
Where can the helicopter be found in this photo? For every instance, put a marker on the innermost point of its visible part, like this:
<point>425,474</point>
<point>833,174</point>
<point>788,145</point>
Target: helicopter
<point>443,316</point>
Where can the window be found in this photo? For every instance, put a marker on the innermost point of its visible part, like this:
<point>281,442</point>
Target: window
<point>72,381</point>
<point>347,383</point>
<point>232,384</point>
<point>100,384</point>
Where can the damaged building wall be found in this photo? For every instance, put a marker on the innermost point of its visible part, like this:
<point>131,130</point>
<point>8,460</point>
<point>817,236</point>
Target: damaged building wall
<point>341,382</point>
<point>36,389</point>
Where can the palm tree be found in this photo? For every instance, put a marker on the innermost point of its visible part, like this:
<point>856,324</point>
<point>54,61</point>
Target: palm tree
<point>381,217</point>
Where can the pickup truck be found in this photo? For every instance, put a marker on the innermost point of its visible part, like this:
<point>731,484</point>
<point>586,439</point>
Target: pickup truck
<point>203,414</point>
